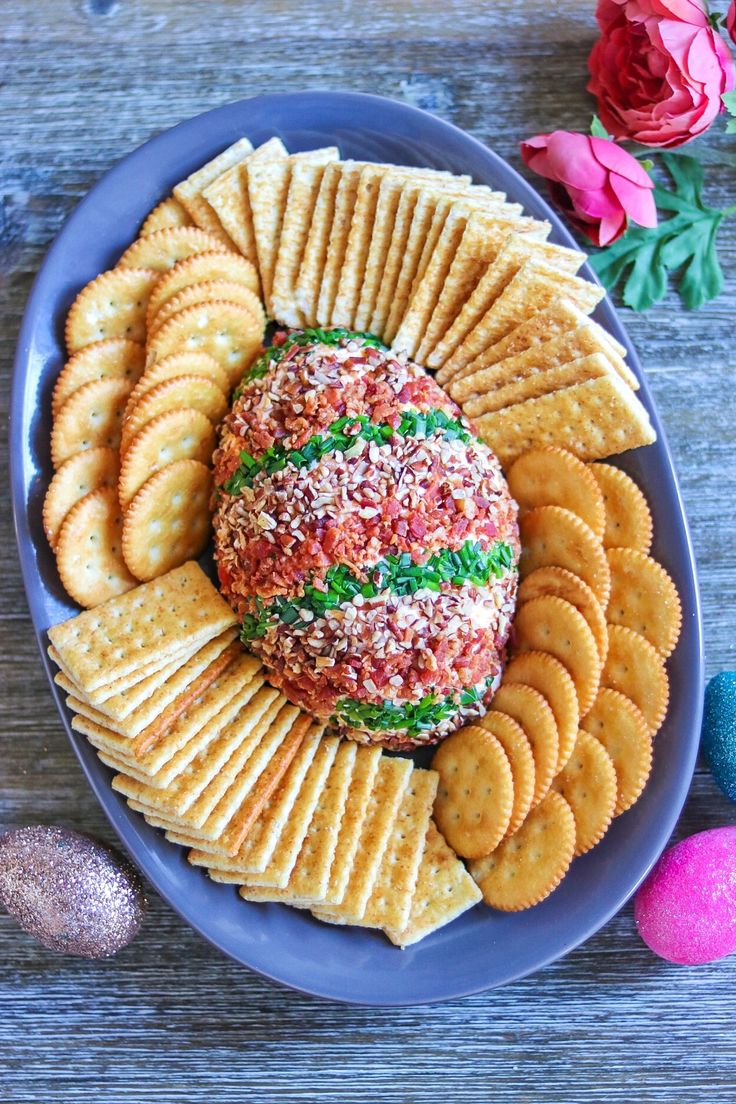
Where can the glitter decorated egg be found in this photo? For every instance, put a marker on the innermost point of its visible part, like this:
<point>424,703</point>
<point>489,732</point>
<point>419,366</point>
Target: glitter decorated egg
<point>70,891</point>
<point>366,539</point>
<point>719,731</point>
<point>686,909</point>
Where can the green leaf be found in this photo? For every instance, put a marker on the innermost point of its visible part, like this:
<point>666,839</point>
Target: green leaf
<point>729,102</point>
<point>597,128</point>
<point>731,126</point>
<point>643,258</point>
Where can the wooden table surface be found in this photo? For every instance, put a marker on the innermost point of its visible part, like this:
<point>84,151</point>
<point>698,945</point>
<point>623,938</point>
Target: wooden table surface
<point>170,1019</point>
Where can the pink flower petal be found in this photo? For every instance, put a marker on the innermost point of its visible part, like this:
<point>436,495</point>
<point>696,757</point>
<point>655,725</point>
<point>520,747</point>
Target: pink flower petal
<point>638,203</point>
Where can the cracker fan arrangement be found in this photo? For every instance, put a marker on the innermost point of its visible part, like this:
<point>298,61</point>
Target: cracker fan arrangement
<point>415,540</point>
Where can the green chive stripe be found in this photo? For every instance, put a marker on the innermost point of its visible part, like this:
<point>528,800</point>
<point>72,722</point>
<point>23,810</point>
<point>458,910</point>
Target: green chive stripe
<point>276,353</point>
<point>398,574</point>
<point>411,717</point>
<point>341,437</point>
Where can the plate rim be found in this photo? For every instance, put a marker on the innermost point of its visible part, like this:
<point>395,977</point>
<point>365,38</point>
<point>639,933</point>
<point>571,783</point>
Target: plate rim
<point>120,818</point>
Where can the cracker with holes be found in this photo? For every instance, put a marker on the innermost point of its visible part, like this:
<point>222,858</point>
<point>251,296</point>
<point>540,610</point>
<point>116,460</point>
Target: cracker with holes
<point>556,537</point>
<point>209,291</point>
<point>228,332</point>
<point>475,795</point>
<point>628,522</point>
<point>644,598</point>
<point>178,364</point>
<point>182,434</point>
<point>561,583</point>
<point>154,623</point>
<point>113,358</point>
<point>163,248</point>
<point>91,418</point>
<point>180,393</point>
<point>550,624</point>
<point>200,268</point>
<point>533,714</point>
<point>554,477</point>
<point>168,522</point>
<point>618,725</point>
<point>550,678</point>
<point>77,477</point>
<point>529,865</point>
<point>169,212</point>
<point>89,550</point>
<point>512,738</point>
<point>635,668</point>
<point>588,785</point>
<point>114,304</point>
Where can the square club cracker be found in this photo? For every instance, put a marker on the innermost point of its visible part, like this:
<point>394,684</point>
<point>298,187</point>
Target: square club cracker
<point>258,846</point>
<point>284,856</point>
<point>342,216</point>
<point>356,808</point>
<point>361,231</point>
<point>268,189</point>
<point>309,279</point>
<point>310,874</point>
<point>189,191</point>
<point>530,290</point>
<point>444,890</point>
<point>517,250</point>
<point>222,758</point>
<point>594,419</point>
<point>389,905</point>
<point>156,620</point>
<point>584,341</point>
<point>391,781</point>
<point>304,185</point>
<point>393,187</point>
<point>227,195</point>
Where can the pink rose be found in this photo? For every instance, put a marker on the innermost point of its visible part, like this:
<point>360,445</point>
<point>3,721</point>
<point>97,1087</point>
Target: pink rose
<point>596,184</point>
<point>658,70</point>
<point>731,21</point>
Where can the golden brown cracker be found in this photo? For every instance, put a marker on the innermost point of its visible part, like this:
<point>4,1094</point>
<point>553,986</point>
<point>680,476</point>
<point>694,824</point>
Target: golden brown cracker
<point>561,583</point>
<point>112,305</point>
<point>512,739</point>
<point>178,393</point>
<point>552,536</point>
<point>90,418</point>
<point>357,807</point>
<point>198,269</point>
<point>156,622</point>
<point>189,191</point>
<point>183,434</point>
<point>169,212</point>
<point>309,279</point>
<point>588,785</point>
<point>550,678</point>
<point>644,598</point>
<point>619,726</point>
<point>345,195</point>
<point>304,185</point>
<point>534,715</point>
<point>554,477</point>
<point>163,248</point>
<point>77,476</point>
<point>114,358</point>
<point>476,791</point>
<point>206,292</point>
<point>526,867</point>
<point>594,419</point>
<point>89,550</point>
<point>178,364</point>
<point>635,668</point>
<point>628,520</point>
<point>444,890</point>
<point>168,522</point>
<point>227,331</point>
<point>550,624</point>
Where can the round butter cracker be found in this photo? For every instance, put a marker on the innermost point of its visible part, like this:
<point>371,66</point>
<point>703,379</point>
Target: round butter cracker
<point>561,583</point>
<point>552,625</point>
<point>89,551</point>
<point>114,304</point>
<point>226,331</point>
<point>169,212</point>
<point>201,268</point>
<point>179,393</point>
<point>554,537</point>
<point>114,358</point>
<point>518,750</point>
<point>168,522</point>
<point>161,249</point>
<point>207,292</point>
<point>628,519</point>
<point>475,792</point>
<point>534,716</point>
<point>619,726</point>
<point>76,478</point>
<point>552,476</point>
<point>174,435</point>
<point>588,785</point>
<point>550,678</point>
<point>91,417</point>
<point>644,598</point>
<point>635,668</point>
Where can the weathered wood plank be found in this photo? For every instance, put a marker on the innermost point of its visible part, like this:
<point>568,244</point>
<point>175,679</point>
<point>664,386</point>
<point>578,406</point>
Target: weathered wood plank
<point>170,1019</point>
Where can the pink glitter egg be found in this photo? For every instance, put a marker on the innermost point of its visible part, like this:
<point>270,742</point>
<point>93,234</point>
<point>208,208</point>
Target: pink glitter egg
<point>686,909</point>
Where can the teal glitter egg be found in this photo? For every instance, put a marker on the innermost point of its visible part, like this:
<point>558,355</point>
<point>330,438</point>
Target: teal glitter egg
<point>719,731</point>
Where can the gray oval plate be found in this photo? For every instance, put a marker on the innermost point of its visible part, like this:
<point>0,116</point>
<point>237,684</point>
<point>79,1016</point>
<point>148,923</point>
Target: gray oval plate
<point>483,948</point>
